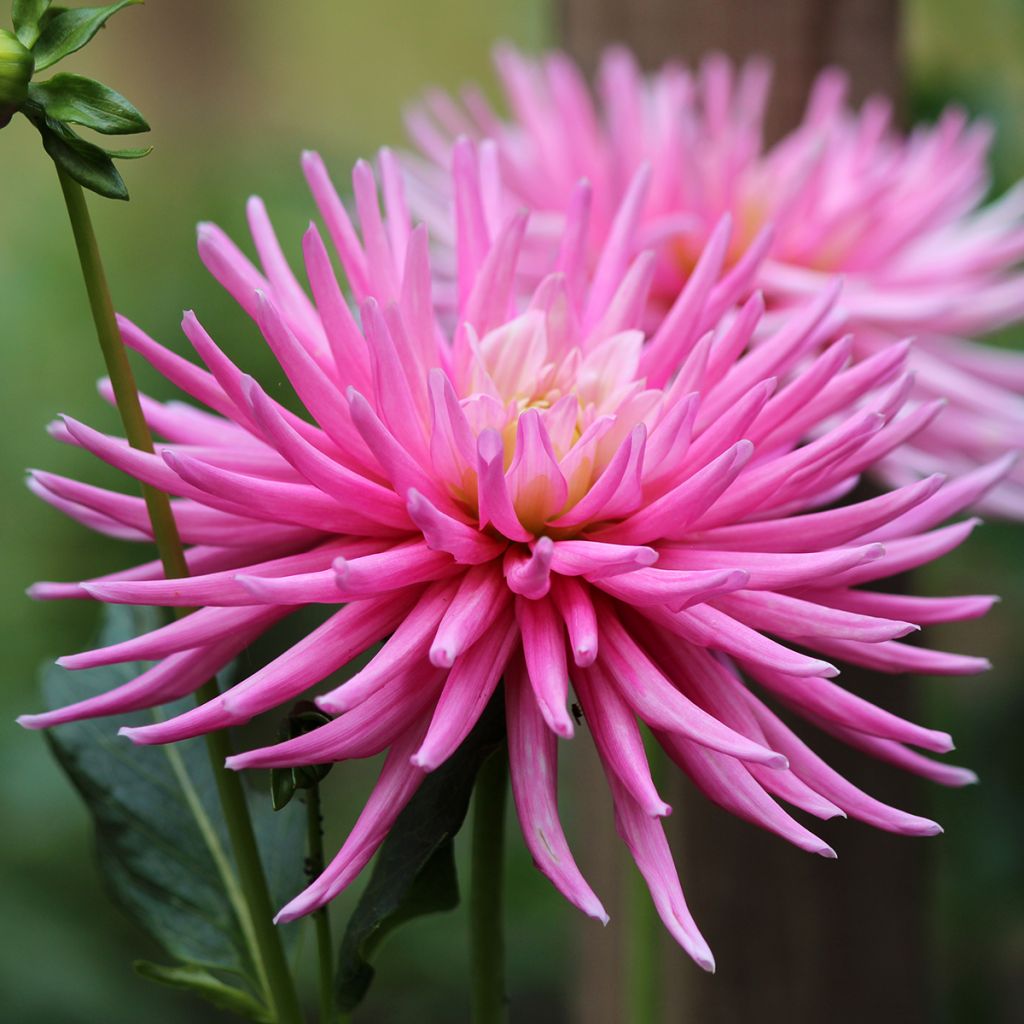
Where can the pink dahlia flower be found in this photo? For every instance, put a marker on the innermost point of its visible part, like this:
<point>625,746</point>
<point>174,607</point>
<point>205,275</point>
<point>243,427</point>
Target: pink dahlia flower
<point>900,217</point>
<point>539,497</point>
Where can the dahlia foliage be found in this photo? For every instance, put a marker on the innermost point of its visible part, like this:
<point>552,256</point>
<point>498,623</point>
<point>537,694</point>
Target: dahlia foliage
<point>534,493</point>
<point>900,217</point>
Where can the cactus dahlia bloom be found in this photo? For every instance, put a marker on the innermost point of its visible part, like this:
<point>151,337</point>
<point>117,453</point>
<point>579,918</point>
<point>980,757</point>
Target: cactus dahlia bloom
<point>537,496</point>
<point>900,217</point>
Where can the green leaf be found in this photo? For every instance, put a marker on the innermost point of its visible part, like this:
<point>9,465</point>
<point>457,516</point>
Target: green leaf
<point>26,15</point>
<point>129,154</point>
<point>195,979</point>
<point>89,165</point>
<point>415,870</point>
<point>80,100</point>
<point>71,30</point>
<point>163,848</point>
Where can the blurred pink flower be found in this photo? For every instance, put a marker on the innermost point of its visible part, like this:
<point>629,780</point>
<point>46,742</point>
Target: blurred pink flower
<point>542,497</point>
<point>899,216</point>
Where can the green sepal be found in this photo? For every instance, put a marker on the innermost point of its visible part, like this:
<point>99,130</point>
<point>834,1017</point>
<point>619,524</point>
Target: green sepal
<point>304,718</point>
<point>199,981</point>
<point>87,164</point>
<point>79,100</point>
<point>26,15</point>
<point>414,873</point>
<point>70,30</point>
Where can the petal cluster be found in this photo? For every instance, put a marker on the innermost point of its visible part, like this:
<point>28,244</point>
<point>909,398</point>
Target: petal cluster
<point>531,490</point>
<point>899,216</point>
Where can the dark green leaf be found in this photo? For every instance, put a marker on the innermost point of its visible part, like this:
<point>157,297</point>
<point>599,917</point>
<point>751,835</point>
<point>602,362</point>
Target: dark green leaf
<point>163,848</point>
<point>48,15</point>
<point>87,164</point>
<point>195,979</point>
<point>80,100</point>
<point>415,870</point>
<point>26,14</point>
<point>71,30</point>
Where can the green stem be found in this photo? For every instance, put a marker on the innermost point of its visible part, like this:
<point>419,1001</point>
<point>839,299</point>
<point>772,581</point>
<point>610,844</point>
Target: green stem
<point>487,943</point>
<point>643,929</point>
<point>642,976</point>
<point>325,955</point>
<point>165,532</point>
<point>229,786</point>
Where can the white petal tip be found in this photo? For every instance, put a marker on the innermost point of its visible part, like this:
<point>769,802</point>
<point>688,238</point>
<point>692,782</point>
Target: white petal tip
<point>827,852</point>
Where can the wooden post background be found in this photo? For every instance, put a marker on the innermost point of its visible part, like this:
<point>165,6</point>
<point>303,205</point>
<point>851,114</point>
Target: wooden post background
<point>798,939</point>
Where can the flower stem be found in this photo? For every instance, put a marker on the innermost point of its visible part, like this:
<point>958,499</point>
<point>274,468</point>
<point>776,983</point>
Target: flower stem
<point>165,532</point>
<point>643,927</point>
<point>229,786</point>
<point>325,955</point>
<point>642,975</point>
<point>487,943</point>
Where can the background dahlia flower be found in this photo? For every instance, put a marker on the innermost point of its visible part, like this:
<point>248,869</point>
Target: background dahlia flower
<point>540,497</point>
<point>899,216</point>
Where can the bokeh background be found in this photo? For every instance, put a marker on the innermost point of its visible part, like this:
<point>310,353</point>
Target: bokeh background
<point>235,90</point>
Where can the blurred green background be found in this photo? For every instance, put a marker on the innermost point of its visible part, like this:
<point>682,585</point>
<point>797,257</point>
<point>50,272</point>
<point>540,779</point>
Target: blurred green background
<point>235,90</point>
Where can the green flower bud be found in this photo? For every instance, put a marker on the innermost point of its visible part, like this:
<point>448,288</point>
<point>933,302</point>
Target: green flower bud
<point>16,67</point>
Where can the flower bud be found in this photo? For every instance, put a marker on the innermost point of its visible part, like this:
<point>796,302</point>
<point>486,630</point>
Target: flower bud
<point>16,67</point>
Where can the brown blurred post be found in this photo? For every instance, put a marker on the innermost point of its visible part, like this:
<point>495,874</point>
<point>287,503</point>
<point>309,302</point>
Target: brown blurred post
<point>798,939</point>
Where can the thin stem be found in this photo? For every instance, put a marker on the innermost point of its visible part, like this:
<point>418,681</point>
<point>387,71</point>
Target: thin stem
<point>158,505</point>
<point>644,929</point>
<point>642,975</point>
<point>229,786</point>
<point>324,950</point>
<point>486,926</point>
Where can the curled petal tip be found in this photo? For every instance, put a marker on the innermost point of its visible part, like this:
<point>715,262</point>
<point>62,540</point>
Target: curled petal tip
<point>562,727</point>
<point>327,704</point>
<point>65,661</point>
<point>30,721</point>
<point>442,656</point>
<point>584,655</point>
<point>827,852</point>
<point>705,961</point>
